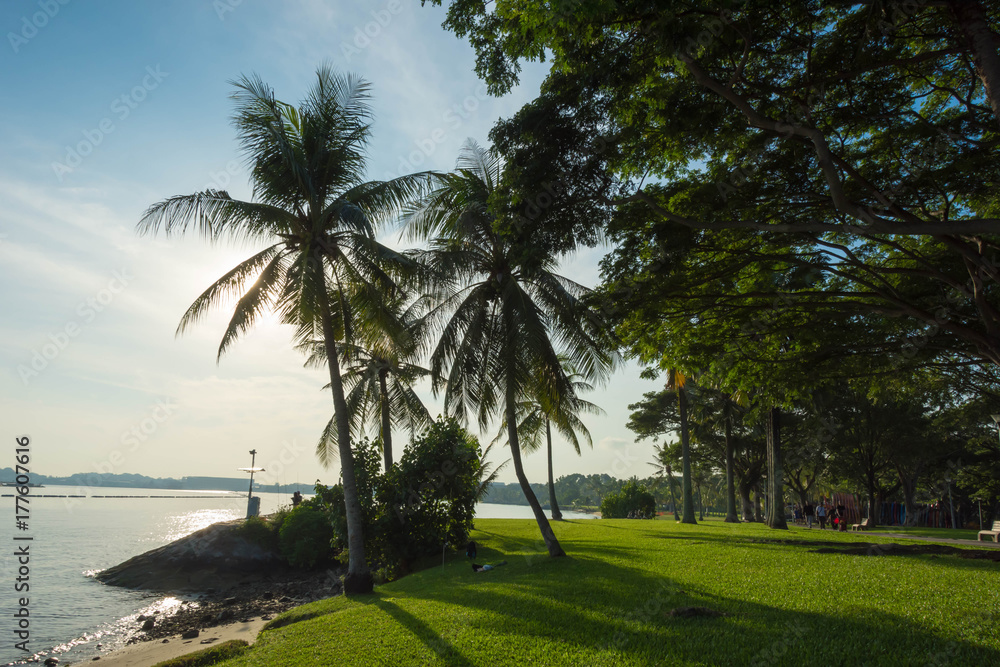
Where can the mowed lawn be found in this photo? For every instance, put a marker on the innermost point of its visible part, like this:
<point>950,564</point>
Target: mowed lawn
<point>608,603</point>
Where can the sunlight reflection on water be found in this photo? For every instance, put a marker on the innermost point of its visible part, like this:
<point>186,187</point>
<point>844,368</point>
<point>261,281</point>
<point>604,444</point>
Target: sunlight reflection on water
<point>192,522</point>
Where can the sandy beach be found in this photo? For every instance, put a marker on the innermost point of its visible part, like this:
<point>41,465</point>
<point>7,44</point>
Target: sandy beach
<point>145,654</point>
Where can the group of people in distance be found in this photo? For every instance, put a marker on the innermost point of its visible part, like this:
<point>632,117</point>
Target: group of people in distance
<point>823,513</point>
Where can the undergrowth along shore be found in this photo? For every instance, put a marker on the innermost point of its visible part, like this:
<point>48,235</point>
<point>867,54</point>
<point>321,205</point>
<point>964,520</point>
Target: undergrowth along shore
<point>615,601</point>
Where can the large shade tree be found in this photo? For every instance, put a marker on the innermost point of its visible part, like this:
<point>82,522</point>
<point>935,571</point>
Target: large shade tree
<point>321,269</point>
<point>860,136</point>
<point>503,315</point>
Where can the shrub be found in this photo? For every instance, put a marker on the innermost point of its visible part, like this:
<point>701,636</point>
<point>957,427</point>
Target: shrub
<point>425,499</point>
<point>305,537</point>
<point>276,520</point>
<point>430,496</point>
<point>633,500</point>
<point>258,531</point>
<point>367,460</point>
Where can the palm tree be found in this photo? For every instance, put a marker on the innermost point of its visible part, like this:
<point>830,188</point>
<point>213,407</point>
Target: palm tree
<point>317,216</point>
<point>662,458</point>
<point>379,378</point>
<point>539,412</point>
<point>496,316</point>
<point>675,382</point>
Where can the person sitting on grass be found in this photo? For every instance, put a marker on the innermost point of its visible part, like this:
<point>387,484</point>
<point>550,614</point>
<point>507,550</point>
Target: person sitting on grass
<point>487,567</point>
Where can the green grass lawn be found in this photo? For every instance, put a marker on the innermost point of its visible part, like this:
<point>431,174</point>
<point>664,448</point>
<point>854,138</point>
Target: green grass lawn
<point>608,604</point>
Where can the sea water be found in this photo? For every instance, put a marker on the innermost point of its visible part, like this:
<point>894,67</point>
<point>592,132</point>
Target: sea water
<point>71,613</point>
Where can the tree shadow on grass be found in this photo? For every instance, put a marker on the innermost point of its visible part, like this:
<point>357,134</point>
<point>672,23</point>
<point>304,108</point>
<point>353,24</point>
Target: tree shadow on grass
<point>424,632</point>
<point>595,612</point>
<point>941,555</point>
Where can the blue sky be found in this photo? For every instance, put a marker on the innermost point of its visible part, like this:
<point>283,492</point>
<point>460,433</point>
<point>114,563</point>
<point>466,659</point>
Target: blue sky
<point>112,106</point>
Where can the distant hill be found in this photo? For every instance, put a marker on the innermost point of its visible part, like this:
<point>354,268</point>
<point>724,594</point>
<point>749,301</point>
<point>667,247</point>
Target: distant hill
<point>132,480</point>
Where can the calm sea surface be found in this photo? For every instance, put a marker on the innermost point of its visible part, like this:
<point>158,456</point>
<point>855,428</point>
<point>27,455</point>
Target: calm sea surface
<point>73,538</point>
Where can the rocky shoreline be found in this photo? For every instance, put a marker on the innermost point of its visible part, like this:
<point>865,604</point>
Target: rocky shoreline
<point>262,597</point>
<point>220,577</point>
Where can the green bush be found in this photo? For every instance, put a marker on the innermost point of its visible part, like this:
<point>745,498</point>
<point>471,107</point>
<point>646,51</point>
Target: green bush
<point>258,531</point>
<point>276,520</point>
<point>305,537</point>
<point>633,501</point>
<point>425,499</point>
<point>429,497</point>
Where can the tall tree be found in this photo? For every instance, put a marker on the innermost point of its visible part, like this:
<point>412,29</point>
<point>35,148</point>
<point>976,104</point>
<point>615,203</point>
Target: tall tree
<point>662,461</point>
<point>675,382</point>
<point>500,308</point>
<point>860,136</point>
<point>316,213</point>
<point>537,415</point>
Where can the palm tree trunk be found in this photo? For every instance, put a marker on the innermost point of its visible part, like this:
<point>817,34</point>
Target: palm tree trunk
<point>745,503</point>
<point>731,516</point>
<point>358,579</point>
<point>686,490</point>
<point>673,500</point>
<point>553,505</point>
<point>551,543</point>
<point>775,474</point>
<point>386,421</point>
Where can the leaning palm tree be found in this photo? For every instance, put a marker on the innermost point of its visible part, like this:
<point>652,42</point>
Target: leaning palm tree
<point>317,217</point>
<point>379,376</point>
<point>497,318</point>
<point>539,412</point>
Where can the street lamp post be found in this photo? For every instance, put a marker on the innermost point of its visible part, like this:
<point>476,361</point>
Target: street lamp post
<point>253,508</point>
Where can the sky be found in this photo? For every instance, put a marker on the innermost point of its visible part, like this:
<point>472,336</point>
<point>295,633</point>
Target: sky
<point>110,107</point>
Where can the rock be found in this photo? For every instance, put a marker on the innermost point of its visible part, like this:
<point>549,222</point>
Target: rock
<point>96,657</point>
<point>49,662</point>
<point>230,601</point>
<point>141,617</point>
<point>209,640</point>
<point>266,595</point>
<point>148,625</point>
<point>224,615</point>
<point>190,634</point>
<point>165,641</point>
<point>265,617</point>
